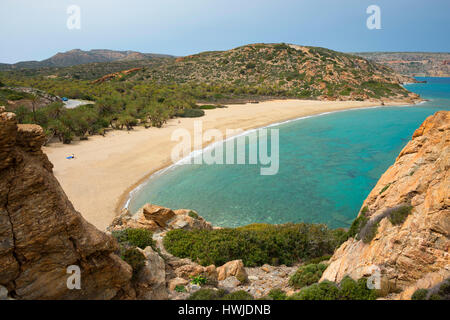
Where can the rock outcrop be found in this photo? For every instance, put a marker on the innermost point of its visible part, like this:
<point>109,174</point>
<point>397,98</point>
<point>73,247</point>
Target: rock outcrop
<point>158,219</point>
<point>415,252</point>
<point>41,234</point>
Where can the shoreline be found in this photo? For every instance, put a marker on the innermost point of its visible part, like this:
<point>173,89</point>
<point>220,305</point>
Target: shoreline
<point>96,182</point>
<point>126,197</point>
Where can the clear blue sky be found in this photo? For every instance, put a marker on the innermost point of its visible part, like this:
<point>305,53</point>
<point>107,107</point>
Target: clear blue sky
<point>35,30</point>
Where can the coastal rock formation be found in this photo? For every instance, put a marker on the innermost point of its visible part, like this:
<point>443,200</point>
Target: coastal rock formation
<point>41,234</point>
<point>415,252</point>
<point>157,218</point>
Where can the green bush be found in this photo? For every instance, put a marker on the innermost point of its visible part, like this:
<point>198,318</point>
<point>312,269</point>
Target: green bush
<point>319,259</point>
<point>398,215</point>
<point>348,289</point>
<point>191,113</point>
<point>255,244</point>
<point>193,214</point>
<point>369,231</point>
<point>385,188</point>
<point>325,290</point>
<point>180,288</point>
<point>420,294</point>
<point>140,238</point>
<point>207,294</point>
<point>277,294</point>
<point>357,225</point>
<point>307,275</point>
<point>238,295</point>
<point>199,280</point>
<point>134,258</point>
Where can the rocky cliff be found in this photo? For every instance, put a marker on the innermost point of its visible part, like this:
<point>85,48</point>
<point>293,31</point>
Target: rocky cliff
<point>41,234</point>
<point>408,216</point>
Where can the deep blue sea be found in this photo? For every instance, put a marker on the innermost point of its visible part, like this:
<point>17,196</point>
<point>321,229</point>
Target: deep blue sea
<point>328,165</point>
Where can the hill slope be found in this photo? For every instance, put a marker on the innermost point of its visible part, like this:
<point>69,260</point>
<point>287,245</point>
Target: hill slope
<point>77,57</point>
<point>289,70</point>
<point>428,64</point>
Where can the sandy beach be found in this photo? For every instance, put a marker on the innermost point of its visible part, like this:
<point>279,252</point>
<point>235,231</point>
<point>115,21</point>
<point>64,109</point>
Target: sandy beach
<point>106,169</point>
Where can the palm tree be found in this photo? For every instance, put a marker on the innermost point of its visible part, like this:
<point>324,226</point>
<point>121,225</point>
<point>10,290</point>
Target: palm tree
<point>34,101</point>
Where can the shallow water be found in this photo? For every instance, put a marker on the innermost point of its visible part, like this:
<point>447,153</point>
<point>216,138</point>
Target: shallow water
<point>328,165</point>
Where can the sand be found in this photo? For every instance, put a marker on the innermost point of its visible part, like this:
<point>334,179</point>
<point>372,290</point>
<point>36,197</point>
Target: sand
<point>106,169</point>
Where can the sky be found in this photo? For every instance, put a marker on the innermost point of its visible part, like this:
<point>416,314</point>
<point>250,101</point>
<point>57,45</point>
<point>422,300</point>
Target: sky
<point>36,30</point>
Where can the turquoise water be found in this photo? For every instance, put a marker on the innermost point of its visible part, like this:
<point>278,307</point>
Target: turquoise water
<point>328,165</point>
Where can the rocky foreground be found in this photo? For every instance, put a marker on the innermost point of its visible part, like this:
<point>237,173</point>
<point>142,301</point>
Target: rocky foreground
<point>41,234</point>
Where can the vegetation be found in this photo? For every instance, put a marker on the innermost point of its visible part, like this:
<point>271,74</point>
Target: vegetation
<point>140,238</point>
<point>398,215</point>
<point>277,294</point>
<point>199,280</point>
<point>163,87</point>
<point>180,288</point>
<point>134,258</point>
<point>385,188</point>
<point>439,292</point>
<point>193,214</point>
<point>207,294</point>
<point>255,244</point>
<point>211,294</point>
<point>365,228</point>
<point>307,275</point>
<point>347,289</point>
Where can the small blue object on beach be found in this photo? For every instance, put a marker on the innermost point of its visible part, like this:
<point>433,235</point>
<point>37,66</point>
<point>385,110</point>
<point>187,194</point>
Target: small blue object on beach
<point>64,99</point>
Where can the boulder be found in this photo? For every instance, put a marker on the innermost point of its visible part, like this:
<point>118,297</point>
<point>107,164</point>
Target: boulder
<point>151,280</point>
<point>41,234</point>
<point>173,283</point>
<point>233,268</point>
<point>229,283</point>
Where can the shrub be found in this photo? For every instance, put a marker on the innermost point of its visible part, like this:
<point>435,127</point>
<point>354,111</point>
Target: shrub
<point>325,290</point>
<point>207,294</point>
<point>255,244</point>
<point>277,294</point>
<point>180,288</point>
<point>198,280</point>
<point>191,113</point>
<point>420,294</point>
<point>307,275</point>
<point>357,225</point>
<point>369,231</point>
<point>348,289</point>
<point>385,188</point>
<point>135,259</point>
<point>207,107</point>
<point>140,238</point>
<point>398,215</point>
<point>238,295</point>
<point>320,259</point>
<point>193,214</point>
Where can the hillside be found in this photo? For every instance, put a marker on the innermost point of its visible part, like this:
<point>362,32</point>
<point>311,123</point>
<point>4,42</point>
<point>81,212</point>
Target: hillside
<point>77,57</point>
<point>428,64</point>
<point>281,69</point>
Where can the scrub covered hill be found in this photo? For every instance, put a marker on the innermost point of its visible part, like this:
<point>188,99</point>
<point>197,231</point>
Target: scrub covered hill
<point>283,70</point>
